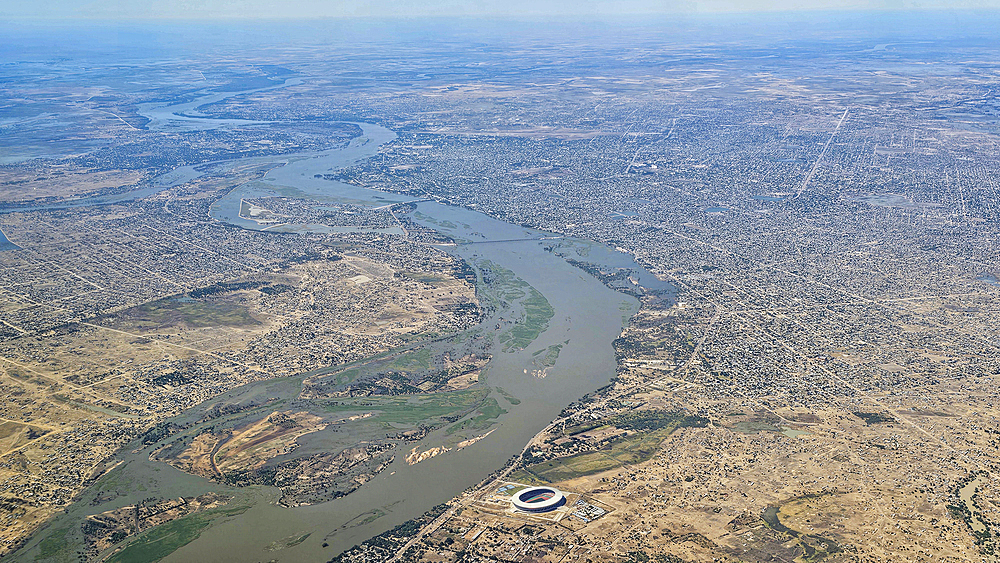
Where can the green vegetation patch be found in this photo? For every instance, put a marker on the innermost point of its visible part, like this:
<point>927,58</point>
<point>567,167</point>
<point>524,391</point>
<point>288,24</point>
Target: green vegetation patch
<point>814,547</point>
<point>755,427</point>
<point>115,480</point>
<point>418,360</point>
<point>156,543</point>
<point>512,491</point>
<point>191,312</point>
<point>965,507</point>
<point>414,409</point>
<point>441,223</point>
<point>508,397</point>
<point>352,365</point>
<point>364,518</point>
<point>502,285</point>
<point>537,313</point>
<point>874,417</point>
<point>574,429</point>
<point>161,541</point>
<point>290,541</point>
<point>652,427</point>
<point>547,357</point>
<point>348,376</point>
<point>484,417</point>
<point>564,469</point>
<point>55,547</point>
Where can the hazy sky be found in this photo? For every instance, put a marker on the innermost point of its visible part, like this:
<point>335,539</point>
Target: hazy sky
<point>202,9</point>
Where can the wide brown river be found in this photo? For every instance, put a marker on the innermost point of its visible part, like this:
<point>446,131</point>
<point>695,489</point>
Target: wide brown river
<point>588,315</point>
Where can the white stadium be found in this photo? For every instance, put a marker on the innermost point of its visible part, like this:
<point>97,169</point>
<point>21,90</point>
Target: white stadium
<point>538,499</point>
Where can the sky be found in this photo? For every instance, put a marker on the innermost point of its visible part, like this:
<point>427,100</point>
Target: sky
<point>271,9</point>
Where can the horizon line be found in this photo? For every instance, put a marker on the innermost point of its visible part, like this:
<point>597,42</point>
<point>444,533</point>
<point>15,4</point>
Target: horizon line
<point>506,16</point>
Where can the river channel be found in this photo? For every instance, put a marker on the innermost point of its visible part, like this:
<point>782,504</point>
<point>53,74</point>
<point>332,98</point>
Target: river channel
<point>588,316</point>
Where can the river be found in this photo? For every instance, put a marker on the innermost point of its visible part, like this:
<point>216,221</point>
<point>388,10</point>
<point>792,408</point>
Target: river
<point>588,316</point>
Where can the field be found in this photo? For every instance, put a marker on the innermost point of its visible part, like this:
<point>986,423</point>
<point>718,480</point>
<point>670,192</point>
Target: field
<point>414,409</point>
<point>194,313</point>
<point>54,547</point>
<point>413,361</point>
<point>162,540</point>
<point>626,450</point>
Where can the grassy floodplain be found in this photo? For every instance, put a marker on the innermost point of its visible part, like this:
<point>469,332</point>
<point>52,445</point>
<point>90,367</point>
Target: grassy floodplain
<point>626,450</point>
